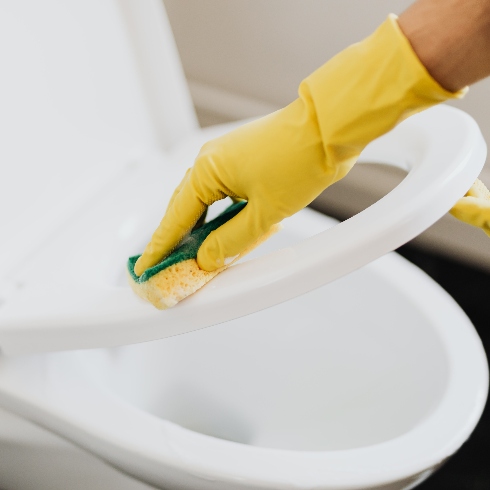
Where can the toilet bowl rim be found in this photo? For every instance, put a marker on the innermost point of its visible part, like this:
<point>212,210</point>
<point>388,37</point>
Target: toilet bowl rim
<point>426,445</point>
<point>149,440</point>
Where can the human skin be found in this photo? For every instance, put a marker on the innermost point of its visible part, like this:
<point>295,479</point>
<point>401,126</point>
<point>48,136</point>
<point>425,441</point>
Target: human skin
<point>451,38</point>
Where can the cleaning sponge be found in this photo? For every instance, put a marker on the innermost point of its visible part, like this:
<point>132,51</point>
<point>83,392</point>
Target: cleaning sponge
<point>178,275</point>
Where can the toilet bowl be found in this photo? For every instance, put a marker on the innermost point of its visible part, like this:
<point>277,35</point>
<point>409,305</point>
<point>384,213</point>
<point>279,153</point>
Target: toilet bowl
<point>327,364</point>
<point>372,381</point>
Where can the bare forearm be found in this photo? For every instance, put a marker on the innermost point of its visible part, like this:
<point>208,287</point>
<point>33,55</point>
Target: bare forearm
<point>451,38</point>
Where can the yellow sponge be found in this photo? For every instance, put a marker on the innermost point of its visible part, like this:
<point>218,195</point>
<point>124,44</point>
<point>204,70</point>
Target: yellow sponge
<point>178,275</point>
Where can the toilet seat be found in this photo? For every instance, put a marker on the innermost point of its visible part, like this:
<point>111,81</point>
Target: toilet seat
<point>442,149</point>
<point>62,294</point>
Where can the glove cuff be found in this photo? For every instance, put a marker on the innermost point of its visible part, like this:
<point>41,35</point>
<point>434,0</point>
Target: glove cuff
<point>366,90</point>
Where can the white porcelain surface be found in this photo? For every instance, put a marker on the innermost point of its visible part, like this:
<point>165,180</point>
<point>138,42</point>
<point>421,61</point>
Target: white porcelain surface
<point>372,380</point>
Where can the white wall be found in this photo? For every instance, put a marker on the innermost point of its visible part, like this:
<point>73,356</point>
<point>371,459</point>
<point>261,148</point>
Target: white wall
<point>246,57</point>
<point>262,49</point>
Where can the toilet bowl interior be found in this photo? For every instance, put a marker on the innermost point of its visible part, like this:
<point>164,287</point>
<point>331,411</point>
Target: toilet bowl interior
<point>379,373</point>
<point>348,365</point>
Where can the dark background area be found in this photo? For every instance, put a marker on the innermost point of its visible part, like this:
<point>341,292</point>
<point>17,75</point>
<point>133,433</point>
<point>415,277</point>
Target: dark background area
<point>469,468</point>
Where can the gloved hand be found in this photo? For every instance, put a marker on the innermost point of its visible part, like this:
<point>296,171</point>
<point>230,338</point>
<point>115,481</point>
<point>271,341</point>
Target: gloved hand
<point>474,207</point>
<point>280,163</point>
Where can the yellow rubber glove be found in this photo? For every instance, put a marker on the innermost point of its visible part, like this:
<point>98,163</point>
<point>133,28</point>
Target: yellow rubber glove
<point>474,207</point>
<point>281,162</point>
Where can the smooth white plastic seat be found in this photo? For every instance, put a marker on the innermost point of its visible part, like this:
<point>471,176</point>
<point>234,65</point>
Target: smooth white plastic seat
<point>442,149</point>
<point>91,119</point>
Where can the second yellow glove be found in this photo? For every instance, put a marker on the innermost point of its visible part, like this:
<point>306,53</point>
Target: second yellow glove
<point>474,207</point>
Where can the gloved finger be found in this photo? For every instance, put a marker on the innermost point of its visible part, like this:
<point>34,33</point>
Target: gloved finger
<point>182,214</point>
<point>223,245</point>
<point>177,190</point>
<point>474,211</point>
<point>478,189</point>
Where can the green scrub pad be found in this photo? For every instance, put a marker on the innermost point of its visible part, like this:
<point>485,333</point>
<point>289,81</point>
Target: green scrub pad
<point>178,275</point>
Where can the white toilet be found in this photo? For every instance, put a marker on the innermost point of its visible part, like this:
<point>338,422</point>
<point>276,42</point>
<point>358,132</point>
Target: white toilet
<point>328,364</point>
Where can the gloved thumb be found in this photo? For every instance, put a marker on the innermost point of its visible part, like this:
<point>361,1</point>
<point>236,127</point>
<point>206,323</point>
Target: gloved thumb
<point>225,245</point>
<point>474,207</point>
<point>474,211</point>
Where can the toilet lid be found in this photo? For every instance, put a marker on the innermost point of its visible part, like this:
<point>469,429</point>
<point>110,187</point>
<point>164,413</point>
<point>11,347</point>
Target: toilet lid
<point>80,132</point>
